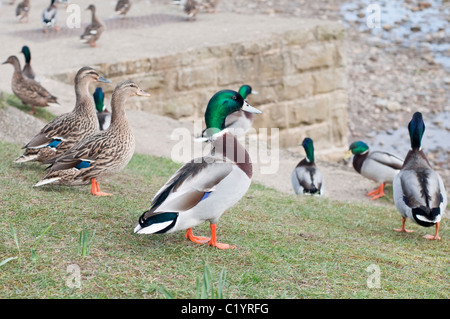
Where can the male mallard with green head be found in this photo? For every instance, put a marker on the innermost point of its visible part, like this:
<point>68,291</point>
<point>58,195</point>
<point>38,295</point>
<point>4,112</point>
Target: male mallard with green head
<point>27,69</point>
<point>29,91</point>
<point>419,192</point>
<point>64,131</point>
<point>378,166</point>
<point>240,122</point>
<point>49,17</point>
<point>101,154</point>
<point>103,115</point>
<point>203,189</point>
<point>306,177</point>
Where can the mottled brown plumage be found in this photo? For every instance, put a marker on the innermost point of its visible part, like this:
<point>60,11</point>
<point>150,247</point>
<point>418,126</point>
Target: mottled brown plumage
<point>67,129</point>
<point>28,90</point>
<point>22,10</point>
<point>94,30</point>
<point>101,154</point>
<point>122,7</point>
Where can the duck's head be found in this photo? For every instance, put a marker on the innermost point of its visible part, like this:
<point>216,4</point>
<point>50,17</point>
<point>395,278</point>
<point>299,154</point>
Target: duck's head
<point>90,75</point>
<point>26,52</point>
<point>309,149</point>
<point>99,97</point>
<point>222,104</point>
<point>416,128</point>
<point>245,90</point>
<point>12,60</point>
<point>91,7</point>
<point>357,148</point>
<point>128,88</point>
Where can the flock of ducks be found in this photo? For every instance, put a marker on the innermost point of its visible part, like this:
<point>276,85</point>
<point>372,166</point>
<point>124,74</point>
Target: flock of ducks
<point>94,30</point>
<point>90,143</point>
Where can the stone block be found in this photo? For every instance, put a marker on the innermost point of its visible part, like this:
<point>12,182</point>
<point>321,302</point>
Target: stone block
<point>197,76</point>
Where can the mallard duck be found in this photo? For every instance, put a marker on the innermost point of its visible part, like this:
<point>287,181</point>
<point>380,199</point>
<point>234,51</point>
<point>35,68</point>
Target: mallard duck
<point>94,30</point>
<point>28,90</point>
<point>49,17</point>
<point>101,154</point>
<point>240,122</point>
<point>190,7</point>
<point>306,177</point>
<point>22,10</point>
<point>378,166</point>
<point>104,116</point>
<point>122,7</point>
<point>419,192</point>
<point>210,5</point>
<point>27,69</point>
<point>64,131</point>
<point>204,188</point>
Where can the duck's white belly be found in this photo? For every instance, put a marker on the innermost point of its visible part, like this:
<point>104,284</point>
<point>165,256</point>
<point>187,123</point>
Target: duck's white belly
<point>378,172</point>
<point>227,193</point>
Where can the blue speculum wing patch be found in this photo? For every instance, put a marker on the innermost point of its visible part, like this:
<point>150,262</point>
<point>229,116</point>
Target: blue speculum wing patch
<point>54,143</point>
<point>205,196</point>
<point>83,164</point>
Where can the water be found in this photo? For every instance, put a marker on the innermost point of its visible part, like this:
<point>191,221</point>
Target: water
<point>436,138</point>
<point>432,24</point>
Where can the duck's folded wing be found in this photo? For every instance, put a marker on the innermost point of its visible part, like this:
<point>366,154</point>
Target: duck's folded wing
<point>421,188</point>
<point>57,129</point>
<point>189,185</point>
<point>387,159</point>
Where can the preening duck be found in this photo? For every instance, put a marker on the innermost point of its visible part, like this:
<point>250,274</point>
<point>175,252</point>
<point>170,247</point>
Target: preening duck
<point>204,188</point>
<point>103,115</point>
<point>419,192</point>
<point>94,30</point>
<point>28,90</point>
<point>240,122</point>
<point>378,166</point>
<point>306,177</point>
<point>64,131</point>
<point>101,154</point>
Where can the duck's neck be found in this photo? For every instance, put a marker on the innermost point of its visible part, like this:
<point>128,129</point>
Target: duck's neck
<point>118,116</point>
<point>415,157</point>
<point>358,160</point>
<point>84,102</point>
<point>227,145</point>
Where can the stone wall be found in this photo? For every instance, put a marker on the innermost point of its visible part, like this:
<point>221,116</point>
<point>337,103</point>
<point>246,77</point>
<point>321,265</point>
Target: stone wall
<point>299,74</point>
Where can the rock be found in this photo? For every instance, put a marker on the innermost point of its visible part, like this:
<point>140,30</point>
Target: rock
<point>415,28</point>
<point>393,106</point>
<point>387,27</point>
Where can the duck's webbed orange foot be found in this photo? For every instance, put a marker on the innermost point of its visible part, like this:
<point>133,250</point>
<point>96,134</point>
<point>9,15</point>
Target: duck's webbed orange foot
<point>95,189</point>
<point>376,193</point>
<point>436,236</point>
<point>403,229</point>
<point>196,239</point>
<point>213,242</point>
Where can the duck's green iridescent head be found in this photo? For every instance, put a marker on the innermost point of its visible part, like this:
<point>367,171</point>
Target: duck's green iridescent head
<point>416,128</point>
<point>309,149</point>
<point>222,104</point>
<point>246,90</point>
<point>26,52</point>
<point>358,148</point>
<point>99,98</point>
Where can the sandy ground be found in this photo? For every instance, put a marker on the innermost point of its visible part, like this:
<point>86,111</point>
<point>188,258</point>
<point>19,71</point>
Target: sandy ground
<point>153,133</point>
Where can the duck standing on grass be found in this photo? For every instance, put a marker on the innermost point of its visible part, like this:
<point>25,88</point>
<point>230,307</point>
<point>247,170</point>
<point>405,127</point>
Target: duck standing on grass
<point>27,69</point>
<point>378,166</point>
<point>419,192</point>
<point>204,188</point>
<point>306,177</point>
<point>94,30</point>
<point>28,90</point>
<point>64,131</point>
<point>103,115</point>
<point>101,154</point>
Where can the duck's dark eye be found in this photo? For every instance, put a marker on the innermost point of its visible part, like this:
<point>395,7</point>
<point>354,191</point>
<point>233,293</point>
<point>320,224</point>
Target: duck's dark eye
<point>234,97</point>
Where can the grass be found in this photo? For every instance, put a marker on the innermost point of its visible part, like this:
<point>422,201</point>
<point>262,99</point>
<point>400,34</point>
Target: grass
<point>287,246</point>
<point>12,100</point>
